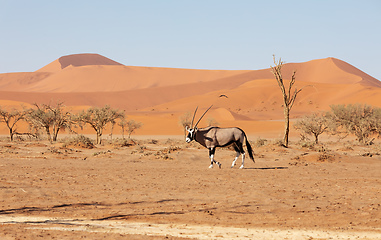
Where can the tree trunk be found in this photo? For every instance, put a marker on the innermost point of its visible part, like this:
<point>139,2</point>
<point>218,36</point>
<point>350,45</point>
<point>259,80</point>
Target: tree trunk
<point>55,135</point>
<point>48,133</point>
<point>316,138</point>
<point>99,135</point>
<point>286,125</point>
<point>11,134</point>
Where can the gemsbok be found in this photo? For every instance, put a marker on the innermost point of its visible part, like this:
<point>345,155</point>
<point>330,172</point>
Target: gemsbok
<point>213,137</point>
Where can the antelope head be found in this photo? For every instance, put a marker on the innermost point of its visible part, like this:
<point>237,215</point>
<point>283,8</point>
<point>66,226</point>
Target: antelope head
<point>193,129</point>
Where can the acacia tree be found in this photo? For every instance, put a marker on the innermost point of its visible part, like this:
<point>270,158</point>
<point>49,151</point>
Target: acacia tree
<point>314,124</point>
<point>98,118</point>
<point>41,117</point>
<point>123,124</point>
<point>361,120</point>
<point>62,119</point>
<point>51,118</point>
<point>288,97</point>
<point>132,125</point>
<point>11,118</point>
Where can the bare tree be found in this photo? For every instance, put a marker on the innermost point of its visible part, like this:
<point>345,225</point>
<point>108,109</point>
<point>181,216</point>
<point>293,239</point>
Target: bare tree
<point>288,97</point>
<point>98,118</point>
<point>11,118</point>
<point>132,125</point>
<point>51,118</point>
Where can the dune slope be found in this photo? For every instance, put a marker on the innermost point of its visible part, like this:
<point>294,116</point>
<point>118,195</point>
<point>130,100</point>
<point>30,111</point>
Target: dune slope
<point>77,60</point>
<point>245,95</point>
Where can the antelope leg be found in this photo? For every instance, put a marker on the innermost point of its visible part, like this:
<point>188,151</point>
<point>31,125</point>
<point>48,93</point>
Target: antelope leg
<point>243,161</point>
<point>211,161</point>
<point>211,155</point>
<point>235,159</point>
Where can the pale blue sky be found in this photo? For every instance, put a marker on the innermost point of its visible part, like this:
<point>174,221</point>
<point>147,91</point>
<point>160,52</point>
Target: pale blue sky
<point>200,34</point>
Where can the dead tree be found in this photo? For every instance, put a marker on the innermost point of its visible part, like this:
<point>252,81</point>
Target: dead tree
<point>288,97</point>
<point>11,118</point>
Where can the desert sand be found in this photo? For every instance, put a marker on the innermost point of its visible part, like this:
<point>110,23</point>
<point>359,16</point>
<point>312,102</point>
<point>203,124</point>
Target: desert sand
<point>163,188</point>
<point>159,187</point>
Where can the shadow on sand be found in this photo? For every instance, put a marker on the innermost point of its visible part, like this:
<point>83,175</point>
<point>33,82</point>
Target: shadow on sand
<point>268,168</point>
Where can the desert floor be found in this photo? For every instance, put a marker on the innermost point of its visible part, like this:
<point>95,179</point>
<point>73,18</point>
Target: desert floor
<point>162,188</point>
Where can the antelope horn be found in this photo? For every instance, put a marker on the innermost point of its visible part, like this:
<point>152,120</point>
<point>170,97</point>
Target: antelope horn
<point>194,114</point>
<point>202,116</point>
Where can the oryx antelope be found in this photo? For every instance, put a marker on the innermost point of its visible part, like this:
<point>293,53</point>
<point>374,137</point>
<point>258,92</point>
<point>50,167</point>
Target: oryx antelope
<point>213,137</point>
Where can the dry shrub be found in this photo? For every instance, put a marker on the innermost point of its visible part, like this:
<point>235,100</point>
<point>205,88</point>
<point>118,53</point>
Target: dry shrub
<point>260,142</point>
<point>122,142</point>
<point>172,142</point>
<point>307,144</point>
<point>139,149</point>
<point>278,142</point>
<point>326,157</point>
<point>165,153</point>
<point>148,141</point>
<point>313,157</point>
<point>79,141</point>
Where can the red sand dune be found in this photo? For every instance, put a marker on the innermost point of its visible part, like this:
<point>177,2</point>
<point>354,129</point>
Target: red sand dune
<point>77,60</point>
<point>159,96</point>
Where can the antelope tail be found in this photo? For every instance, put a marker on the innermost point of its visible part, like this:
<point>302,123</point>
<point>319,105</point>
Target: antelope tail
<point>249,149</point>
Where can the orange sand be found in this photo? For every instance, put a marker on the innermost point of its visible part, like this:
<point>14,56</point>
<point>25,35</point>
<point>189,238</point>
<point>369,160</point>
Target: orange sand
<point>157,97</point>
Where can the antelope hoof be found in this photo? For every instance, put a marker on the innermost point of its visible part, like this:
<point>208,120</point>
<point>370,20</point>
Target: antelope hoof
<point>219,165</point>
<point>241,167</point>
<point>211,166</point>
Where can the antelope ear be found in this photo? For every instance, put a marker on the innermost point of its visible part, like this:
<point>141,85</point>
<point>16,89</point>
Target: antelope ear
<point>196,128</point>
<point>186,128</point>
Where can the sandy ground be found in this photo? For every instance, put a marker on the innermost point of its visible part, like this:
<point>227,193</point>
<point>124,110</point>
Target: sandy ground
<point>163,189</point>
